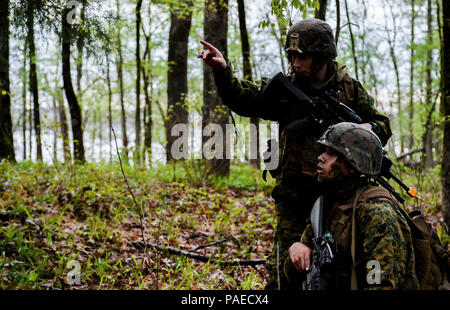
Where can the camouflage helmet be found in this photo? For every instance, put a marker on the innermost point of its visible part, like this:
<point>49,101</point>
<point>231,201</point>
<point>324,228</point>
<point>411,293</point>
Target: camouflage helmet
<point>360,146</point>
<point>311,36</point>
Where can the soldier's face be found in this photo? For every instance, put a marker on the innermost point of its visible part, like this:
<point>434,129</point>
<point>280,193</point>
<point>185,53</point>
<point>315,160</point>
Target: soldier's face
<point>331,168</point>
<point>302,65</point>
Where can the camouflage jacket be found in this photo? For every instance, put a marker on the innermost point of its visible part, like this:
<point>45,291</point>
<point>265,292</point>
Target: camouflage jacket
<point>298,154</point>
<point>382,234</point>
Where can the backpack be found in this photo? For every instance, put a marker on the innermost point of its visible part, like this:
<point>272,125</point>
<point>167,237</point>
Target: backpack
<point>431,258</point>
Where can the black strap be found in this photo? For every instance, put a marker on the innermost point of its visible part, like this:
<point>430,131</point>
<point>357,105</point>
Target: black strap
<point>235,128</point>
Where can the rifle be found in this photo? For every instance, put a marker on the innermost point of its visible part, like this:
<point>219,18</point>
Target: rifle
<point>323,261</point>
<point>323,112</point>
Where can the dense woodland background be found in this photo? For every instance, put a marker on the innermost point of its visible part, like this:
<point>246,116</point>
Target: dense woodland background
<point>86,113</point>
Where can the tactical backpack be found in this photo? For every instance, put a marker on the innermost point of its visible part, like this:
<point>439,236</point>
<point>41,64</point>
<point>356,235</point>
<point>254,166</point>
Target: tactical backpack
<point>431,258</point>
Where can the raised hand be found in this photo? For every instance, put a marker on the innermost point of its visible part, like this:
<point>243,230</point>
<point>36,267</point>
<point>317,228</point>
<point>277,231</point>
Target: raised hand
<point>212,57</point>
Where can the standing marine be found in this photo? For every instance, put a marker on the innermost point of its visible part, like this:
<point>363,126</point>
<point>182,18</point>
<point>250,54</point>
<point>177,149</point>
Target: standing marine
<point>311,51</point>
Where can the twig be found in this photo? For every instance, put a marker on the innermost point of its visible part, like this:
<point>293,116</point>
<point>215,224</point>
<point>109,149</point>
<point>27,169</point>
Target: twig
<point>139,209</point>
<point>200,257</point>
<point>207,245</point>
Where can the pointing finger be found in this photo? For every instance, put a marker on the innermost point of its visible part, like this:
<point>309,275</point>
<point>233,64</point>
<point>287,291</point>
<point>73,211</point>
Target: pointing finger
<point>209,46</point>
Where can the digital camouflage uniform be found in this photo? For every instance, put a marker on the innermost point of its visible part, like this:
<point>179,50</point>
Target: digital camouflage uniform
<point>297,187</point>
<point>382,234</point>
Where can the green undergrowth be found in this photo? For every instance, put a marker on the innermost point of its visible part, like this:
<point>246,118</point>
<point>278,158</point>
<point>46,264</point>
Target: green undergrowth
<point>56,220</point>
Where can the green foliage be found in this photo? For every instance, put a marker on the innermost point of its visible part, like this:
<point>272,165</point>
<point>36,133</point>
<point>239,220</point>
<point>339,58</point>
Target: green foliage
<point>284,9</point>
<point>52,215</point>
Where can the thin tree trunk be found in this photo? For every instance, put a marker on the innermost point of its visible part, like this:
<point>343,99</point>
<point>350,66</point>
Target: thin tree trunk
<point>177,83</point>
<point>120,77</point>
<point>148,97</point>
<point>322,11</point>
<point>391,43</point>
<point>148,102</point>
<point>247,69</point>
<point>94,132</point>
<point>55,130</point>
<point>338,22</point>
<point>445,55</point>
<point>108,82</point>
<point>441,40</point>
<point>80,48</point>
<point>138,82</point>
<point>352,39</point>
<point>6,134</point>
<point>213,111</point>
<point>75,111</point>
<point>365,56</point>
<point>33,80</point>
<point>30,128</point>
<point>411,77</point>
<point>281,39</point>
<point>428,135</point>
<point>24,101</point>
<point>100,135</point>
<point>64,127</point>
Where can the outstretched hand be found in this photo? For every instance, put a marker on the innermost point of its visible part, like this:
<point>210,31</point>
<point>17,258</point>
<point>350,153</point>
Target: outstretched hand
<point>212,57</point>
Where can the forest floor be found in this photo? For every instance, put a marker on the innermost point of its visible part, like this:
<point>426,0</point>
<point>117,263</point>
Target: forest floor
<point>60,222</point>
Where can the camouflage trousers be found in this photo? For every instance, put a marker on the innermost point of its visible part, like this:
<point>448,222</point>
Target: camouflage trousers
<point>293,204</point>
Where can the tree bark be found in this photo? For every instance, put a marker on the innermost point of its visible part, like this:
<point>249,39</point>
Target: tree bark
<point>148,121</point>
<point>24,102</point>
<point>6,134</point>
<point>338,22</point>
<point>75,111</point>
<point>352,39</point>
<point>445,50</point>
<point>428,135</point>
<point>137,151</point>
<point>30,129</point>
<point>247,69</point>
<point>108,82</point>
<point>411,77</point>
<point>120,77</point>
<point>213,111</point>
<point>33,79</point>
<point>55,130</point>
<point>64,127</point>
<point>322,11</point>
<point>391,43</point>
<point>80,48</point>
<point>177,85</point>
